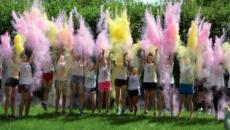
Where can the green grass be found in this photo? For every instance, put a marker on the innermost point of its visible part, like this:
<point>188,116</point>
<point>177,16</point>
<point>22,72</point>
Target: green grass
<point>40,121</point>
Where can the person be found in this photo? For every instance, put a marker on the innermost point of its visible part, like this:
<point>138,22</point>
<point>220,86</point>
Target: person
<point>149,82</point>
<point>25,85</point>
<point>61,79</point>
<point>104,81</point>
<point>167,87</point>
<point>1,71</point>
<point>77,81</point>
<point>11,84</point>
<point>90,84</point>
<point>47,81</point>
<point>186,84</point>
<point>121,83</point>
<point>133,89</point>
<point>227,117</point>
<point>217,83</point>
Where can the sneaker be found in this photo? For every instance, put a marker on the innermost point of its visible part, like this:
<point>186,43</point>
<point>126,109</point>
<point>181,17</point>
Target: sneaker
<point>119,111</point>
<point>135,110</point>
<point>123,111</point>
<point>63,111</point>
<point>146,112</point>
<point>44,106</point>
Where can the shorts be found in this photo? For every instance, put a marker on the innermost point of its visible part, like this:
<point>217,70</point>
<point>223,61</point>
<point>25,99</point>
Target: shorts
<point>25,88</point>
<point>161,87</point>
<point>133,93</point>
<point>149,86</point>
<point>12,82</point>
<point>186,89</point>
<point>201,88</point>
<point>47,76</point>
<point>77,80</point>
<point>104,86</point>
<point>89,90</point>
<point>62,86</point>
<point>121,82</point>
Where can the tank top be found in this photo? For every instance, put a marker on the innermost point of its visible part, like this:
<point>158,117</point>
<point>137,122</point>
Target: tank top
<point>134,82</point>
<point>149,73</point>
<point>25,77</point>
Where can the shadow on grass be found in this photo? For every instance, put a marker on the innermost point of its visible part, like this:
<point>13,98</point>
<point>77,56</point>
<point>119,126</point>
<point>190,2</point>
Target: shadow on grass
<point>114,119</point>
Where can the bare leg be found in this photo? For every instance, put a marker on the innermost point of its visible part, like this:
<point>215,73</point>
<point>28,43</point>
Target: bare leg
<point>107,100</point>
<point>22,103</point>
<point>118,94</point>
<point>93,101</point>
<point>28,101</point>
<point>161,101</point>
<point>153,99</point>
<point>13,94</point>
<point>7,100</point>
<point>146,100</point>
<point>100,100</point>
<point>181,103</point>
<point>58,95</point>
<point>190,105</point>
<point>123,95</point>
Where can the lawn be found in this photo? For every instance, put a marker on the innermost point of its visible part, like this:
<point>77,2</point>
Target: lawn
<point>40,121</point>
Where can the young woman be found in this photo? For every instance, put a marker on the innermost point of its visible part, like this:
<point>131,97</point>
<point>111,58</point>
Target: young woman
<point>217,83</point>
<point>61,79</point>
<point>186,84</point>
<point>1,66</point>
<point>11,84</point>
<point>77,81</point>
<point>167,87</point>
<point>121,83</point>
<point>47,81</point>
<point>25,85</point>
<point>104,81</point>
<point>90,84</point>
<point>149,82</point>
<point>133,89</point>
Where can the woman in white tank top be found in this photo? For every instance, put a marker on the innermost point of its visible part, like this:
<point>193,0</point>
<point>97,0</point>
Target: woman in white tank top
<point>149,81</point>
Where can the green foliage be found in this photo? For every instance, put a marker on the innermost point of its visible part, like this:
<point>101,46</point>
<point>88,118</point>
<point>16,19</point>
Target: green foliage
<point>215,11</point>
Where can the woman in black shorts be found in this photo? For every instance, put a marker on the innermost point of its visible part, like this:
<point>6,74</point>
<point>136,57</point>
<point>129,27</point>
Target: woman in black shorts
<point>149,82</point>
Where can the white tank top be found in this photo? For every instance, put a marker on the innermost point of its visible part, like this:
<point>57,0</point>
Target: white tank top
<point>104,73</point>
<point>149,73</point>
<point>25,77</point>
<point>134,82</point>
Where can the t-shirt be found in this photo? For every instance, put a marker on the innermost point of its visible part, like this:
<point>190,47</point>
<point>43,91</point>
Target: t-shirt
<point>104,73</point>
<point>25,77</point>
<point>134,82</point>
<point>150,73</point>
<point>90,79</point>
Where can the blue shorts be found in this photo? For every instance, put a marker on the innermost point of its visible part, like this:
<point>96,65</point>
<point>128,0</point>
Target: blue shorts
<point>186,89</point>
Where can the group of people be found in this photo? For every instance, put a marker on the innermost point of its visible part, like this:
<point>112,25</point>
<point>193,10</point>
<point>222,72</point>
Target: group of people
<point>91,76</point>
